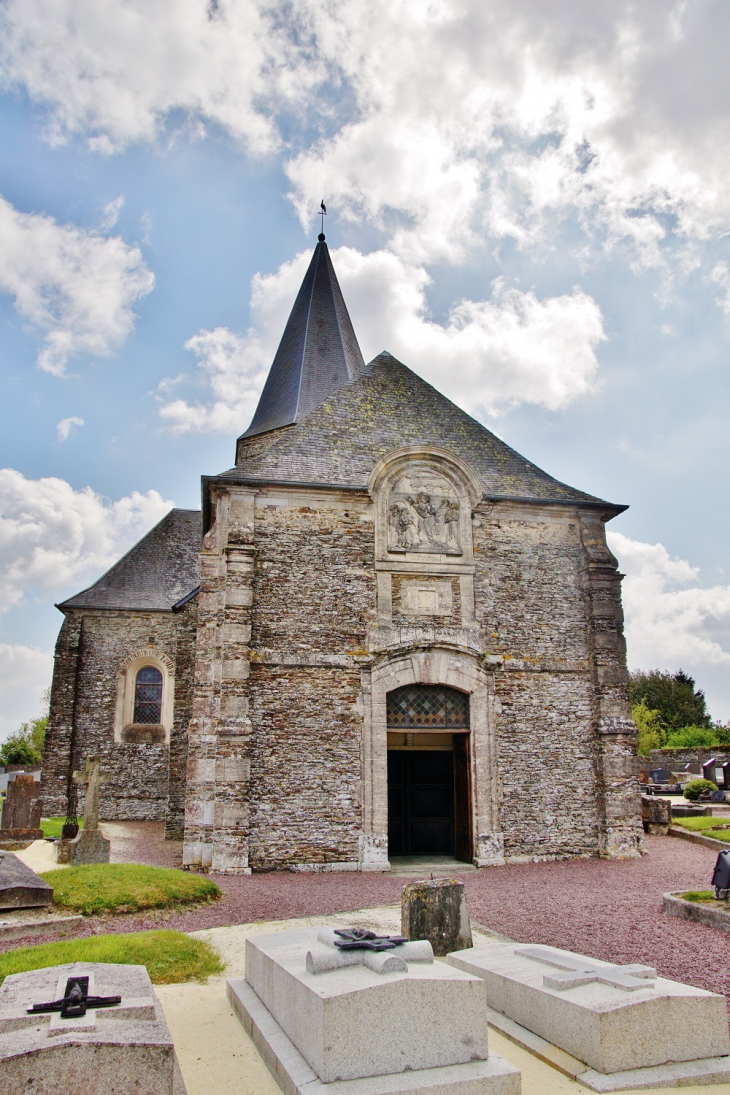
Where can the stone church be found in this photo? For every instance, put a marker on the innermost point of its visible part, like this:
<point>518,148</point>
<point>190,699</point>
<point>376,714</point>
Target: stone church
<point>386,634</point>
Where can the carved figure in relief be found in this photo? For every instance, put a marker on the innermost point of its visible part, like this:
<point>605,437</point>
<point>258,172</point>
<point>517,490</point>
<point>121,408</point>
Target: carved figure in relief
<point>402,525</point>
<point>423,516</point>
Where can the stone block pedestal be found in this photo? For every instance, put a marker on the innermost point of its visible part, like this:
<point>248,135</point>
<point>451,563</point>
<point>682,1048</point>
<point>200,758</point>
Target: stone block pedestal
<point>436,910</point>
<point>90,846</point>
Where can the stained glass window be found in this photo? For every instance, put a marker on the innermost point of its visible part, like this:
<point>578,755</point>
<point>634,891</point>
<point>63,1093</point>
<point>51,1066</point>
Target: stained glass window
<point>148,696</point>
<point>428,706</point>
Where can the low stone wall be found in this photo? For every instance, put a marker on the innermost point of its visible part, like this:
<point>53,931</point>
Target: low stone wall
<point>713,916</point>
<point>674,760</point>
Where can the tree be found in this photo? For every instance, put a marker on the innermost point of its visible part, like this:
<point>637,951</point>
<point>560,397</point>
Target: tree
<point>25,746</point>
<point>673,696</point>
<point>651,734</point>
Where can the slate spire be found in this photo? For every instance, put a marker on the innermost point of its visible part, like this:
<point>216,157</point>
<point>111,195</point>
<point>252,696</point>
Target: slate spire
<point>318,352</point>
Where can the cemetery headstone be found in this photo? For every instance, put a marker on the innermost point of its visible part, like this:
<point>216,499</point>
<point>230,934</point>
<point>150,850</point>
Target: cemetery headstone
<point>377,1015</point>
<point>21,817</point>
<point>90,846</point>
<point>20,887</point>
<point>100,1030</point>
<point>436,910</point>
<point>631,1028</point>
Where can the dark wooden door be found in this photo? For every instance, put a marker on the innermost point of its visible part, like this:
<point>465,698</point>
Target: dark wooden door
<point>463,842</point>
<point>420,802</point>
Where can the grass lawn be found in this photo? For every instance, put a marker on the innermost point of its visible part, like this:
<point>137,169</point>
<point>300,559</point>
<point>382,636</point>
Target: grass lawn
<point>716,827</point>
<point>170,957</point>
<point>699,895</point>
<point>52,826</point>
<point>126,887</point>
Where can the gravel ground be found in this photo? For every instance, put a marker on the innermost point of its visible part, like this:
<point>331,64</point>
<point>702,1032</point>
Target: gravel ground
<point>611,910</point>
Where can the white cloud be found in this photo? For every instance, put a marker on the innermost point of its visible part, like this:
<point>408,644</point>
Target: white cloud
<point>671,619</point>
<point>538,112</point>
<point>115,71</point>
<point>489,355</point>
<point>110,213</point>
<point>76,286</point>
<point>233,369</point>
<point>25,673</point>
<point>64,427</point>
<point>720,274</point>
<point>51,534</point>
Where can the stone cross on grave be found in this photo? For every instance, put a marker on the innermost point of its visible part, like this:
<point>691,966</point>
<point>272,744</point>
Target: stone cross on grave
<point>581,971</point>
<point>93,777</point>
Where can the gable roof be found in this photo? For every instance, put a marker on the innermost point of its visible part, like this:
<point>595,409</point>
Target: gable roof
<point>389,407</point>
<point>318,351</point>
<point>158,572</point>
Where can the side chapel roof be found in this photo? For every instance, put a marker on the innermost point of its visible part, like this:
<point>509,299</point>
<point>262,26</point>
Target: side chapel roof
<point>154,575</point>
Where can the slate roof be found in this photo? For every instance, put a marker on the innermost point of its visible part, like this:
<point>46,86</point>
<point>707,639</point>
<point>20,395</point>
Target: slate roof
<point>155,574</point>
<point>389,407</point>
<point>318,351</point>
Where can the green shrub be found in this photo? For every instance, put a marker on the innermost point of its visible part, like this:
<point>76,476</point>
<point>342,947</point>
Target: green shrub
<point>696,787</point>
<point>170,956</point>
<point>690,737</point>
<point>126,887</point>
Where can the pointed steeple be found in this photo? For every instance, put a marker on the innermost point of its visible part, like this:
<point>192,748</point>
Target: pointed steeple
<point>318,352</point>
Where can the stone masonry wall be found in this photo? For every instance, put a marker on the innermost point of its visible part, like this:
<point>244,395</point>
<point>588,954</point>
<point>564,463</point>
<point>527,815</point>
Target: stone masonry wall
<point>530,603</point>
<point>314,596</point>
<point>90,650</point>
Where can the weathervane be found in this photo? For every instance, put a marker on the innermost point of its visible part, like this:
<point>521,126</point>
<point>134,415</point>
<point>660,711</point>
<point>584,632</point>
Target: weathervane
<point>322,213</point>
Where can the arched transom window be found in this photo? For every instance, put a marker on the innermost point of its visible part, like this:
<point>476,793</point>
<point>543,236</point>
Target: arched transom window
<point>148,696</point>
<point>427,707</point>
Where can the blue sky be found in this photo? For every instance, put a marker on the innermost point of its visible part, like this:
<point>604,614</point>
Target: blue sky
<point>528,205</point>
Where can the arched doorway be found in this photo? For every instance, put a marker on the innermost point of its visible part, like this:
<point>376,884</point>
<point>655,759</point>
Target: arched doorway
<point>429,802</point>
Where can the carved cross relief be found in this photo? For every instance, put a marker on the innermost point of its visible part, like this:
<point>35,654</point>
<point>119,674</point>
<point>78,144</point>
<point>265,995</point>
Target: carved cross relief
<point>424,515</point>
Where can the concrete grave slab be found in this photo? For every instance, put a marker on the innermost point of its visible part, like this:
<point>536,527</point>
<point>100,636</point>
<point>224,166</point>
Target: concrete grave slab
<point>616,1019</point>
<point>109,1051</point>
<point>20,887</point>
<point>373,1020</point>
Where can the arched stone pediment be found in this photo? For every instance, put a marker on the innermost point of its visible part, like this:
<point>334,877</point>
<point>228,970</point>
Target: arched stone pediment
<point>424,498</point>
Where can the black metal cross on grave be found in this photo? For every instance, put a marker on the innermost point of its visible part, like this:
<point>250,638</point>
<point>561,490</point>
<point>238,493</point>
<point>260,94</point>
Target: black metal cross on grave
<point>76,1000</point>
<point>362,939</point>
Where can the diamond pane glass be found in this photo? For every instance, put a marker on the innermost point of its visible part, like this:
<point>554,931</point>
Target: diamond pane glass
<point>428,706</point>
<point>148,696</point>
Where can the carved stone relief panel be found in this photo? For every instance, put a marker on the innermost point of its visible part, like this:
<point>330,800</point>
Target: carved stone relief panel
<point>424,514</point>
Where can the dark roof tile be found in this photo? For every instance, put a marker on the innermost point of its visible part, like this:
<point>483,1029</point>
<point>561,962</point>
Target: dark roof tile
<point>160,570</point>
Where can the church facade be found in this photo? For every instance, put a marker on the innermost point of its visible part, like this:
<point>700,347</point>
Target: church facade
<point>387,633</point>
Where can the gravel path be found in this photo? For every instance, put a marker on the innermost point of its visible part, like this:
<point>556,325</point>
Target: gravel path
<point>611,910</point>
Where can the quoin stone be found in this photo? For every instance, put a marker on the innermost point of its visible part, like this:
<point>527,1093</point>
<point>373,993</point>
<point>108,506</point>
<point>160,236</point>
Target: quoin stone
<point>381,611</point>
